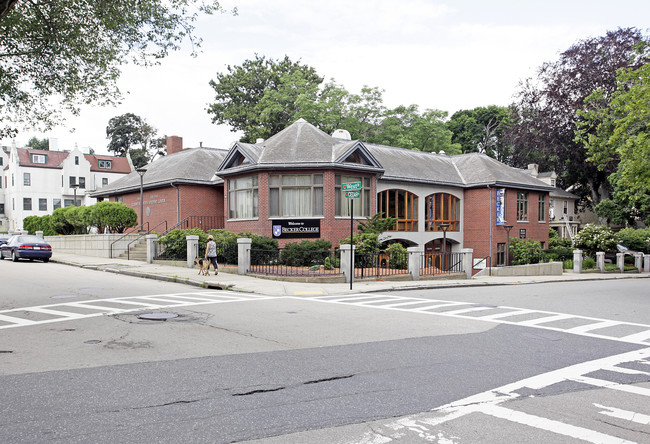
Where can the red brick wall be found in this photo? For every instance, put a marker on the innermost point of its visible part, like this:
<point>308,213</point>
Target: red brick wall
<point>477,220</point>
<point>333,229</point>
<point>195,200</point>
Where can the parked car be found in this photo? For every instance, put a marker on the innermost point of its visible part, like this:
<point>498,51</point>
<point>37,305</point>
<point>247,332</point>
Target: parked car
<point>4,238</point>
<point>25,246</point>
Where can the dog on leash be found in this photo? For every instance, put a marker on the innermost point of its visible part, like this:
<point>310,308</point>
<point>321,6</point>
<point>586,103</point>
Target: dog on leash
<point>204,266</point>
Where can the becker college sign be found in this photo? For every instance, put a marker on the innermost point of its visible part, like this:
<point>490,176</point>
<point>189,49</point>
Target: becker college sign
<point>296,228</point>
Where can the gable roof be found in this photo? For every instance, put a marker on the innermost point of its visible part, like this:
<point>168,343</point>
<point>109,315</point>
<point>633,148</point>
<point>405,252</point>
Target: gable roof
<point>478,169</point>
<point>190,166</point>
<point>54,159</point>
<point>299,146</point>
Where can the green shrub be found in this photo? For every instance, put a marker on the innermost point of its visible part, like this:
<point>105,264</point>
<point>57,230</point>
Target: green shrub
<point>635,239</point>
<point>589,263</point>
<point>175,243</point>
<point>306,253</point>
<point>594,238</point>
<point>555,241</point>
<point>397,256</point>
<point>525,251</point>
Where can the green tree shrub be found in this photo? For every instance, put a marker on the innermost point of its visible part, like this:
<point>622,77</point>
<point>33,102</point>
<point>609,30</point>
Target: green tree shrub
<point>589,263</point>
<point>397,256</point>
<point>32,224</point>
<point>525,251</point>
<point>306,253</point>
<point>593,238</point>
<point>59,221</point>
<point>635,239</point>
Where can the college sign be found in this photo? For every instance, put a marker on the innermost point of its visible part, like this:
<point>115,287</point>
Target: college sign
<point>501,206</point>
<point>296,228</point>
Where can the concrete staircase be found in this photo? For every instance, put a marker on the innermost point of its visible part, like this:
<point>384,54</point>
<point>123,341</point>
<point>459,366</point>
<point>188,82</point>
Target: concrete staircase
<point>137,251</point>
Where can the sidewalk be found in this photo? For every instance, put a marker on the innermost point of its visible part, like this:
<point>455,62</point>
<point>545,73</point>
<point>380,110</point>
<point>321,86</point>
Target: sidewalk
<point>249,284</point>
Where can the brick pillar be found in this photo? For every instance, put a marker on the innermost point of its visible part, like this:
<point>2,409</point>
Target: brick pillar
<point>415,261</point>
<point>151,247</point>
<point>244,255</point>
<point>192,249</point>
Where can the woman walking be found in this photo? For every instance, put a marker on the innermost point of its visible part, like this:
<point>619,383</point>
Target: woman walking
<point>211,254</point>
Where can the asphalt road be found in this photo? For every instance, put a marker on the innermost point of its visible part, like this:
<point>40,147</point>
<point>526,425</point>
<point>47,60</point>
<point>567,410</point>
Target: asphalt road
<point>233,367</point>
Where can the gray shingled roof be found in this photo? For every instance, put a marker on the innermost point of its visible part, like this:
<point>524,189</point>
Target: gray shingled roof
<point>190,166</point>
<point>559,192</point>
<point>480,170</point>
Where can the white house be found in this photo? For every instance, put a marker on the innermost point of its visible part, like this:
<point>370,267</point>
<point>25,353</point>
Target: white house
<point>37,182</point>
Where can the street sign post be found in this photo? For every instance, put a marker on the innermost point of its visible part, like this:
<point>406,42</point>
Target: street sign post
<point>352,191</point>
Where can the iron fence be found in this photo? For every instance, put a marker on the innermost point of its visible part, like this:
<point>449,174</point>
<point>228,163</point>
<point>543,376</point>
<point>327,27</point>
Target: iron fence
<point>227,253</point>
<point>286,262</point>
<point>176,250</point>
<point>203,222</point>
<point>441,263</point>
<point>380,264</point>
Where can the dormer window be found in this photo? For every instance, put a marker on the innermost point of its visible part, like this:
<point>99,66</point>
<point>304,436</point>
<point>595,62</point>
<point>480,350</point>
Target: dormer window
<point>552,182</point>
<point>39,158</point>
<point>242,161</point>
<point>105,164</point>
<point>353,158</point>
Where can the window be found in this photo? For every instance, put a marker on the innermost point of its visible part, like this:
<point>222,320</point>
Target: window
<point>68,202</point>
<point>76,160</point>
<point>82,182</point>
<point>42,204</point>
<point>39,158</point>
<point>105,164</point>
<point>56,203</point>
<point>401,205</point>
<point>442,208</point>
<point>1,160</point>
<point>342,203</point>
<point>295,195</point>
<point>522,206</point>
<point>552,182</point>
<point>541,209</point>
<point>104,181</point>
<point>27,203</point>
<point>12,180</point>
<point>27,179</point>
<point>565,209</point>
<point>2,208</point>
<point>73,181</point>
<point>242,198</point>
<point>501,254</point>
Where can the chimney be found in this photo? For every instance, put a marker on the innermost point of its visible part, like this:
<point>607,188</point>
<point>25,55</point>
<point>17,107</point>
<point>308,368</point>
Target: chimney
<point>534,169</point>
<point>174,144</point>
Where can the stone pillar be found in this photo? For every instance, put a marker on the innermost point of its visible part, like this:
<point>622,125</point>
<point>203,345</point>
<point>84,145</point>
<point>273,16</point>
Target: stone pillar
<point>192,249</point>
<point>39,234</point>
<point>468,263</point>
<point>620,262</point>
<point>151,247</point>
<point>646,263</point>
<point>577,261</point>
<point>415,261</point>
<point>600,261</point>
<point>638,262</point>
<point>345,261</point>
<point>244,255</point>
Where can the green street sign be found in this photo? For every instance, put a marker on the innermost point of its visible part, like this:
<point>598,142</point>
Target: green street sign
<point>353,194</point>
<point>352,186</point>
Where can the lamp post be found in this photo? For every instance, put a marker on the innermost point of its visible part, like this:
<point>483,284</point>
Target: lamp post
<point>507,228</point>
<point>74,187</point>
<point>141,172</point>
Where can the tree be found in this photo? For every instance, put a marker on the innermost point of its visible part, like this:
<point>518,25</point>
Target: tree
<point>128,131</point>
<point>545,110</point>
<point>57,55</point>
<point>259,97</point>
<point>482,130</point>
<point>617,135</point>
<point>38,144</point>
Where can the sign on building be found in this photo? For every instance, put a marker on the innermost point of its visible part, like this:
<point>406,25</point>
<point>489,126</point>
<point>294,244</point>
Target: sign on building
<point>296,228</point>
<point>501,206</point>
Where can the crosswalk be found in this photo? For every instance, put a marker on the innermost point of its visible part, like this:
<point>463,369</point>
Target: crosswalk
<point>67,311</point>
<point>629,332</point>
<point>597,417</point>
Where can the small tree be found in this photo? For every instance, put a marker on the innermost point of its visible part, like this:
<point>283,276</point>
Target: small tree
<point>525,251</point>
<point>636,240</point>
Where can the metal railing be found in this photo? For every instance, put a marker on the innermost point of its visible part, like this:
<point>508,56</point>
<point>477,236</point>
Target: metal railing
<point>482,263</point>
<point>128,246</point>
<point>203,222</point>
<point>126,234</point>
<point>441,263</point>
<point>295,263</point>
<point>380,264</point>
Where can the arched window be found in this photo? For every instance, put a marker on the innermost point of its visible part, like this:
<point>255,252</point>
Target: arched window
<point>401,205</point>
<point>442,208</point>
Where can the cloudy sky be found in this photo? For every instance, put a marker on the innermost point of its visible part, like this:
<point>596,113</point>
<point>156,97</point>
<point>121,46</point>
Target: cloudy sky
<point>441,54</point>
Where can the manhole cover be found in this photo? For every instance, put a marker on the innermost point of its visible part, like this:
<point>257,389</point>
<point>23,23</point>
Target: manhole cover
<point>157,316</point>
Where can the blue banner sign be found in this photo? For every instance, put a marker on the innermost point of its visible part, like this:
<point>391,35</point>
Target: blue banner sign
<point>501,206</point>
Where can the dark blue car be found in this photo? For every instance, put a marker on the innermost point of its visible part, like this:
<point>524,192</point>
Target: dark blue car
<point>24,246</point>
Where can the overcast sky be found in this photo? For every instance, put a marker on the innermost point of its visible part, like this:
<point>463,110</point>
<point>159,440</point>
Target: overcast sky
<point>447,55</point>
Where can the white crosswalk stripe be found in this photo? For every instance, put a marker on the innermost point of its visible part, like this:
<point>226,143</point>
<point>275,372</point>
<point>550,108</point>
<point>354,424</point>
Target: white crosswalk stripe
<point>592,327</point>
<point>101,307</point>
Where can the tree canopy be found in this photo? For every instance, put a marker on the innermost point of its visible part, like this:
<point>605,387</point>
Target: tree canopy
<point>58,55</point>
<point>483,130</point>
<point>132,133</point>
<point>619,133</point>
<point>38,144</point>
<point>546,116</point>
<point>263,96</point>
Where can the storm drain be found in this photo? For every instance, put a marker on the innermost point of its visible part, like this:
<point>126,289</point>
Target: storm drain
<point>157,316</point>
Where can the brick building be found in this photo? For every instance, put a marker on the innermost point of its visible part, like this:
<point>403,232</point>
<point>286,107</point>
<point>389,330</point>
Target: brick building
<point>291,187</point>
